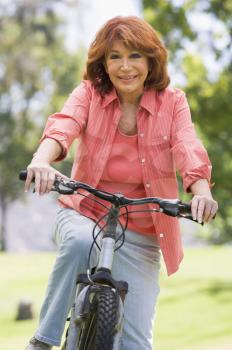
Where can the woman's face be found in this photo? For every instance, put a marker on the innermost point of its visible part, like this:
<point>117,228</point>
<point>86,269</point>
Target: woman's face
<point>127,70</point>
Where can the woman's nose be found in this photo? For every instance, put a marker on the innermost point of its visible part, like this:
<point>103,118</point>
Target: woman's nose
<point>125,64</point>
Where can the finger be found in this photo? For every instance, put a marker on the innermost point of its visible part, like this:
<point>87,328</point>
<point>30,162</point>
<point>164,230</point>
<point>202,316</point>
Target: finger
<point>30,176</point>
<point>44,182</point>
<point>207,211</point>
<point>213,212</point>
<point>200,210</point>
<point>37,182</point>
<point>194,206</point>
<point>57,173</point>
<point>51,179</point>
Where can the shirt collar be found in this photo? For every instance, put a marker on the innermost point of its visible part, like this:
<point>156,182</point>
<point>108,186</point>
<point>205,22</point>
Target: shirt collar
<point>148,100</point>
<point>110,97</point>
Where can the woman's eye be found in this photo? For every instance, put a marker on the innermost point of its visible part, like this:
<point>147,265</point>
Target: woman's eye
<point>135,55</point>
<point>114,56</point>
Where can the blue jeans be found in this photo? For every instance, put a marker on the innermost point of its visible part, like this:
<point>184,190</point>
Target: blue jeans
<point>137,262</point>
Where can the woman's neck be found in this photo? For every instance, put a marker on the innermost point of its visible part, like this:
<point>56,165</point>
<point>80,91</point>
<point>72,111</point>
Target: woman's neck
<point>127,100</point>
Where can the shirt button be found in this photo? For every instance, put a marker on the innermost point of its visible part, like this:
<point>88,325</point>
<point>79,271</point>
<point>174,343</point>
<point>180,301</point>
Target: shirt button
<point>161,235</point>
<point>142,134</point>
<point>148,185</point>
<point>143,160</point>
<point>165,137</point>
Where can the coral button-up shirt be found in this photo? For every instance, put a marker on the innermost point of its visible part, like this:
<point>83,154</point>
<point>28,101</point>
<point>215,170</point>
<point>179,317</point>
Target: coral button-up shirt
<point>166,142</point>
<point>122,174</point>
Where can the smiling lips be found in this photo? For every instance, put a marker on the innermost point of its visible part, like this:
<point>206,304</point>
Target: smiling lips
<point>129,77</point>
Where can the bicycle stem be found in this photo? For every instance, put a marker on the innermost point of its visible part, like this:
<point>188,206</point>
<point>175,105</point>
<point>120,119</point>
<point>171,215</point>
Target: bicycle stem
<point>108,239</point>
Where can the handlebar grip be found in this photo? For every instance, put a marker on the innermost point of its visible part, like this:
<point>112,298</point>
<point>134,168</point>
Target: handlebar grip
<point>185,208</point>
<point>23,175</point>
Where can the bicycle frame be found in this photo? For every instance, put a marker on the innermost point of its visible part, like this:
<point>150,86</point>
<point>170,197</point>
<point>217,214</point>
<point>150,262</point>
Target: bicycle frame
<point>88,284</point>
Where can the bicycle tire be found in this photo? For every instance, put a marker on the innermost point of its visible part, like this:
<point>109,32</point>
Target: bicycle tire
<point>100,328</point>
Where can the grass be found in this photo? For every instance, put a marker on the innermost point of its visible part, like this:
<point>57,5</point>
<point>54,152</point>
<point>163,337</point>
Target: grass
<point>195,305</point>
<point>194,308</point>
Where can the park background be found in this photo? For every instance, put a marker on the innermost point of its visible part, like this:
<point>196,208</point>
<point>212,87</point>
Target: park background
<point>42,54</point>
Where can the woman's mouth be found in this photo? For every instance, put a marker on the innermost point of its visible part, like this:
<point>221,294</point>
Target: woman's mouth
<point>128,77</point>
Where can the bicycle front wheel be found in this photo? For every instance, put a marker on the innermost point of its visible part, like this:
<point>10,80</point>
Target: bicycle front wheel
<point>100,328</point>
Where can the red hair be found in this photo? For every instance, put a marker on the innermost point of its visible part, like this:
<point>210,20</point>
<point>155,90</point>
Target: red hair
<point>136,34</point>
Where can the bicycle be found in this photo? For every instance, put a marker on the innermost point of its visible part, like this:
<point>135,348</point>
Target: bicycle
<point>96,320</point>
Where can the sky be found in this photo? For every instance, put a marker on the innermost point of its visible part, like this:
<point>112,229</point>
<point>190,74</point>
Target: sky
<point>85,17</point>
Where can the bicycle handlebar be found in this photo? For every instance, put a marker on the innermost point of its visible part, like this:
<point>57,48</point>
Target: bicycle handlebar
<point>171,207</point>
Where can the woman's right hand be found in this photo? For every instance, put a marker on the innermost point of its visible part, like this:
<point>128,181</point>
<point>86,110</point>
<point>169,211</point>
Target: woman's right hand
<point>43,175</point>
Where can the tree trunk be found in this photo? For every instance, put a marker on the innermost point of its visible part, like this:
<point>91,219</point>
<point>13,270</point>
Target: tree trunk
<point>3,211</point>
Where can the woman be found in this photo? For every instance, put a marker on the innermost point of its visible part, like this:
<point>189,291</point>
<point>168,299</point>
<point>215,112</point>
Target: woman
<point>134,131</point>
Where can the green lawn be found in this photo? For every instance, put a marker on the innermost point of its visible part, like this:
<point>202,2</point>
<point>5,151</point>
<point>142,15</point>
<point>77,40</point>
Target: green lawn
<point>194,309</point>
<point>195,306</point>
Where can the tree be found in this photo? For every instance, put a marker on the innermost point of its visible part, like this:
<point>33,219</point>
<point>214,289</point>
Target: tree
<point>34,77</point>
<point>172,22</point>
<point>209,93</point>
<point>212,111</point>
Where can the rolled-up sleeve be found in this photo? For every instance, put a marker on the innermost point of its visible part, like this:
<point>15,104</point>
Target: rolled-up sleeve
<point>190,156</point>
<point>68,124</point>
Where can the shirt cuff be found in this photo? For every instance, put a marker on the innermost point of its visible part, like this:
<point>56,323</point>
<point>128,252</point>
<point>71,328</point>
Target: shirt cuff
<point>203,172</point>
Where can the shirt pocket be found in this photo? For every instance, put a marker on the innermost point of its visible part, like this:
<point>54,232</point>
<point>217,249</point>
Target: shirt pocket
<point>161,143</point>
<point>160,140</point>
<point>161,155</point>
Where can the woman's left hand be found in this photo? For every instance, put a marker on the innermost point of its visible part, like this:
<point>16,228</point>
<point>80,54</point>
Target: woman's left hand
<point>204,208</point>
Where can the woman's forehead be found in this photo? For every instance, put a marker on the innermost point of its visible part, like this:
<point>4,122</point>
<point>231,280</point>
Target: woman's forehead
<point>119,45</point>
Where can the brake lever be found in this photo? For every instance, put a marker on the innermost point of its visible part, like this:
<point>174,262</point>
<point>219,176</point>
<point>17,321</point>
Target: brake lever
<point>61,188</point>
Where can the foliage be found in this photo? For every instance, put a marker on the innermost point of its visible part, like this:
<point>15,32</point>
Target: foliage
<point>172,23</point>
<point>209,93</point>
<point>36,72</point>
<point>211,110</point>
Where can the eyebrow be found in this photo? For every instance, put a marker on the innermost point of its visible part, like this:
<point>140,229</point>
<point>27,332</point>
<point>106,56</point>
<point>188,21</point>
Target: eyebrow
<point>117,51</point>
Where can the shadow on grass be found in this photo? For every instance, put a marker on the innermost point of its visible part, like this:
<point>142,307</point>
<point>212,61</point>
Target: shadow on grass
<point>218,286</point>
<point>213,288</point>
<point>219,289</point>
